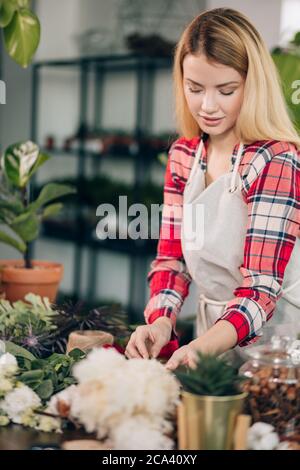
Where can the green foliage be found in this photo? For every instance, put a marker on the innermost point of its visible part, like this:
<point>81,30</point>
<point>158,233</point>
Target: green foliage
<point>23,219</point>
<point>21,29</point>
<point>213,376</point>
<point>45,376</point>
<point>25,322</point>
<point>287,61</point>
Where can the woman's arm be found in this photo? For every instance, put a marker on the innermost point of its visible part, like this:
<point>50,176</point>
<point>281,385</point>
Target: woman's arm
<point>168,278</point>
<point>273,201</point>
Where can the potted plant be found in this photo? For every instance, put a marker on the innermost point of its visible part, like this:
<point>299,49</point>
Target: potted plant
<point>211,402</point>
<point>21,221</point>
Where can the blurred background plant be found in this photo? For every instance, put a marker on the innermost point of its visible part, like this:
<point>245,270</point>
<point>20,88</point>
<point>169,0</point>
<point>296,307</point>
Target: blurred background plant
<point>21,30</point>
<point>287,60</point>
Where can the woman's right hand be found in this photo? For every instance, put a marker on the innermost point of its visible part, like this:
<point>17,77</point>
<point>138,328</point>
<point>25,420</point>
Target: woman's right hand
<point>147,340</point>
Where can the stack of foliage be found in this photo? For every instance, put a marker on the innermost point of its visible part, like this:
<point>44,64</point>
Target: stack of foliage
<point>43,329</point>
<point>45,376</point>
<point>213,376</point>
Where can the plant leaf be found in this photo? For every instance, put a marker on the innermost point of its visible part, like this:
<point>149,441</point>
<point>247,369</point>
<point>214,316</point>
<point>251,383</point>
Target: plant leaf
<point>42,158</point>
<point>7,9</point>
<point>50,192</point>
<point>22,36</point>
<point>27,226</point>
<point>76,354</point>
<point>18,351</point>
<point>52,210</point>
<point>8,240</point>
<point>45,389</point>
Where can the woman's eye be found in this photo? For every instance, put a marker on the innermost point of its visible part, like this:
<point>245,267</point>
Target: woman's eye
<point>194,91</point>
<point>226,94</point>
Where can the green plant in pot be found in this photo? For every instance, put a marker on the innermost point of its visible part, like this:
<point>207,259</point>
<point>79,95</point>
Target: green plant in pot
<point>21,219</point>
<point>211,402</point>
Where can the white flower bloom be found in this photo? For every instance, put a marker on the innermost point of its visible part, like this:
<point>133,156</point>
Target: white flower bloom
<point>261,436</point>
<point>48,424</point>
<point>4,421</point>
<point>140,433</point>
<point>66,396</point>
<point>6,385</point>
<point>19,401</point>
<point>113,390</point>
<point>99,364</point>
<point>8,359</point>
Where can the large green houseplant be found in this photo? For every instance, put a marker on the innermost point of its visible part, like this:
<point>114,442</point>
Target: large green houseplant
<point>211,401</point>
<point>21,221</point>
<point>21,30</point>
<point>287,61</point>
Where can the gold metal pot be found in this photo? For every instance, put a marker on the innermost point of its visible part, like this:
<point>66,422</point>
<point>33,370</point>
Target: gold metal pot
<point>208,422</point>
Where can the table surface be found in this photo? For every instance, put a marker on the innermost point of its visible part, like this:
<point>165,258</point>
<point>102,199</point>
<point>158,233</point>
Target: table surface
<point>15,437</point>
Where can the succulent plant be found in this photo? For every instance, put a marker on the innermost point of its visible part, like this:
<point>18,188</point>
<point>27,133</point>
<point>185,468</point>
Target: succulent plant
<point>213,376</point>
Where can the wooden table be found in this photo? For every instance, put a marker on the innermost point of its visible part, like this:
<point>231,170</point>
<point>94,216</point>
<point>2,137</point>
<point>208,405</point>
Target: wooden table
<point>15,437</point>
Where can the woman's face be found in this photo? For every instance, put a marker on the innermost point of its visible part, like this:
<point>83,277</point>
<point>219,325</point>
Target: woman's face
<point>212,91</point>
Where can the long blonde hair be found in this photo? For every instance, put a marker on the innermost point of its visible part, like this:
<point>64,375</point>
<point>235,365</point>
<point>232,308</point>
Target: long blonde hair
<point>227,37</point>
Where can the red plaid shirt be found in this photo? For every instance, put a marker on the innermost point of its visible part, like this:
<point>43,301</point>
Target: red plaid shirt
<point>271,189</point>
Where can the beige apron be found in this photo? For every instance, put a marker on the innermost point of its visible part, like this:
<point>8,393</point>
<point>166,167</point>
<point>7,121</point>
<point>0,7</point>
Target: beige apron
<point>213,259</point>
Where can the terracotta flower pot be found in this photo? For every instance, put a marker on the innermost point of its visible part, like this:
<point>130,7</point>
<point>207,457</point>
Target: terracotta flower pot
<point>17,281</point>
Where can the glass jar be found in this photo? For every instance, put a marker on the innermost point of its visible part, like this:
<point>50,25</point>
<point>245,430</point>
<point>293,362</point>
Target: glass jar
<point>273,384</point>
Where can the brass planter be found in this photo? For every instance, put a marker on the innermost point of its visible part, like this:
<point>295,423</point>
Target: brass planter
<point>208,422</point>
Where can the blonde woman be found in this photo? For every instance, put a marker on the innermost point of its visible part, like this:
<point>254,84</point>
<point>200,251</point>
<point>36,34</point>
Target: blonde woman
<point>237,158</point>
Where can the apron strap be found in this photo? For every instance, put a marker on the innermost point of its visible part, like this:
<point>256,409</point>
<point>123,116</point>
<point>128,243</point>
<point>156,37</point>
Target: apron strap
<point>234,177</point>
<point>196,159</point>
<point>203,301</point>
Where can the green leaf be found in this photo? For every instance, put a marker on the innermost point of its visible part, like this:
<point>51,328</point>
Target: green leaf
<point>11,203</point>
<point>31,376</point>
<point>42,158</point>
<point>8,240</point>
<point>27,226</point>
<point>22,36</point>
<point>77,354</point>
<point>45,389</point>
<point>52,210</point>
<point>7,9</point>
<point>50,192</point>
<point>18,351</point>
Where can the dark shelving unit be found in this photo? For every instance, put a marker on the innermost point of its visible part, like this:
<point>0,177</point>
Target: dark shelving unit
<point>144,69</point>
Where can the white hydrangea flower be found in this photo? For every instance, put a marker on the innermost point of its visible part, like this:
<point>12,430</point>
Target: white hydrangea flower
<point>6,386</point>
<point>261,436</point>
<point>67,395</point>
<point>99,364</point>
<point>113,390</point>
<point>48,424</point>
<point>8,364</point>
<point>19,401</point>
<point>140,433</point>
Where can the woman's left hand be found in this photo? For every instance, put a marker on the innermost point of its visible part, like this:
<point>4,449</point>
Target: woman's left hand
<point>186,356</point>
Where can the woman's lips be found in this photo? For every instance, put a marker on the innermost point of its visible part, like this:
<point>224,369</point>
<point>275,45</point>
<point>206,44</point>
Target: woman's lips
<point>211,121</point>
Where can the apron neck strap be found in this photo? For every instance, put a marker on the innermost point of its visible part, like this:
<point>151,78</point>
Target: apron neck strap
<point>234,176</point>
<point>197,157</point>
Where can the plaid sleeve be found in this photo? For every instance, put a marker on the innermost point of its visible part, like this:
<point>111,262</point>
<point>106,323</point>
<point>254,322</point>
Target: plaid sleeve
<point>273,225</point>
<point>168,278</point>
